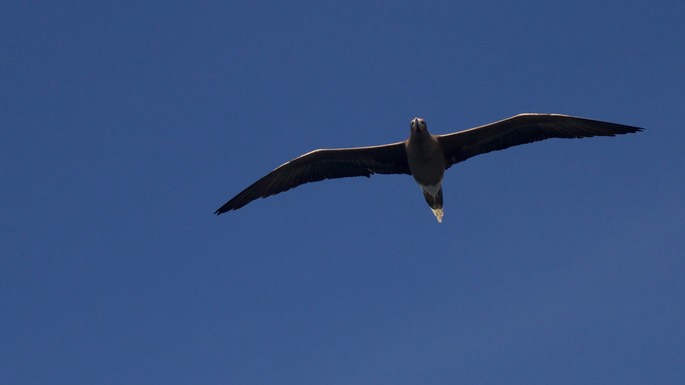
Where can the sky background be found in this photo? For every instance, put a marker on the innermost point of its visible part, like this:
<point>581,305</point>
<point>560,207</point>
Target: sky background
<point>124,125</point>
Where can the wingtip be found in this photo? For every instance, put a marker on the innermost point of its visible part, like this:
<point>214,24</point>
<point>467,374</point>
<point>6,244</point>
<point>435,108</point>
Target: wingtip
<point>630,129</point>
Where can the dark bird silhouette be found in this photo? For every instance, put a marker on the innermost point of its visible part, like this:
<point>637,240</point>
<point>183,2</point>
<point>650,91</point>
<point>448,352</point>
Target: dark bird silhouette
<point>422,155</point>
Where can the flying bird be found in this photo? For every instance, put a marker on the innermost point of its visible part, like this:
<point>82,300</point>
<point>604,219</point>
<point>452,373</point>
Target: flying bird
<point>423,155</point>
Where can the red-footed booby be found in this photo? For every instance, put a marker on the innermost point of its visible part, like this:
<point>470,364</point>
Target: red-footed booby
<point>423,155</point>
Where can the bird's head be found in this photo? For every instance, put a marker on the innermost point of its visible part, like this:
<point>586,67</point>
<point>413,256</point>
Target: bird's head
<point>418,125</point>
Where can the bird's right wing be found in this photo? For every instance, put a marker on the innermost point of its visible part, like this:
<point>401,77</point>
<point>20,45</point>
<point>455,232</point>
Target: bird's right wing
<point>323,164</point>
<point>522,129</point>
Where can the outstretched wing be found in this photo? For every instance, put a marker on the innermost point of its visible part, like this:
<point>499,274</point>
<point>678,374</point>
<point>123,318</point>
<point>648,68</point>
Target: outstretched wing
<point>522,129</point>
<point>324,164</point>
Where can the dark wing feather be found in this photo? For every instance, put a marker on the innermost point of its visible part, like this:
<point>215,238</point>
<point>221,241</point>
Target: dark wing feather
<point>324,164</point>
<point>522,129</point>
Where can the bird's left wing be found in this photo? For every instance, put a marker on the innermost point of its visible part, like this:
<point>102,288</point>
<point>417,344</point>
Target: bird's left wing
<point>323,164</point>
<point>522,129</point>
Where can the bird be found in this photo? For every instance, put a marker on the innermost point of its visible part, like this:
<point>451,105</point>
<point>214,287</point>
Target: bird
<point>423,155</point>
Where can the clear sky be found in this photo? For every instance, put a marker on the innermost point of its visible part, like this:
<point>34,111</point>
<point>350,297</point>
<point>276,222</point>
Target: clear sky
<point>124,125</point>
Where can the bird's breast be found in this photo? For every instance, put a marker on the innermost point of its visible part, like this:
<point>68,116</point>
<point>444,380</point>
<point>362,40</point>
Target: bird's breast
<point>426,161</point>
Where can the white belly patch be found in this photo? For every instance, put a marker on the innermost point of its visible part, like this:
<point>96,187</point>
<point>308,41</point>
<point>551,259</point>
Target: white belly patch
<point>432,189</point>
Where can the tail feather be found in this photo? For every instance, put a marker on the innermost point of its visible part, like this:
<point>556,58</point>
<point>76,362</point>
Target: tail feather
<point>435,203</point>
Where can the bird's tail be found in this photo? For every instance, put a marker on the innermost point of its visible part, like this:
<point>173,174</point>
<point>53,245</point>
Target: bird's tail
<point>435,203</point>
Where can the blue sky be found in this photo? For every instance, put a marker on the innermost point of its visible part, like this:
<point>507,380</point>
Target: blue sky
<point>124,125</point>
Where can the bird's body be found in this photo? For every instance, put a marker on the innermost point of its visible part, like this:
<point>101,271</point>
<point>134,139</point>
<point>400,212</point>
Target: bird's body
<point>424,156</point>
<point>426,162</point>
